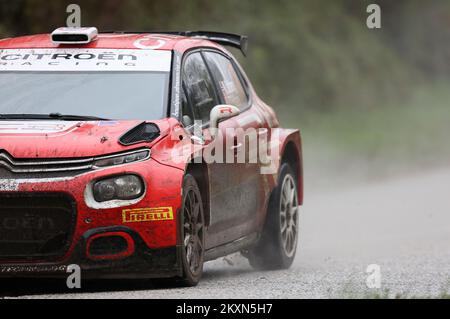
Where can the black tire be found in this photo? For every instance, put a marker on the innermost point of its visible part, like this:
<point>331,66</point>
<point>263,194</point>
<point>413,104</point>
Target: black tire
<point>273,251</point>
<point>192,224</point>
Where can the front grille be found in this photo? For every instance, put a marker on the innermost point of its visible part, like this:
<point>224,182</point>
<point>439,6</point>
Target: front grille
<point>7,174</point>
<point>11,167</point>
<point>47,165</point>
<point>35,226</point>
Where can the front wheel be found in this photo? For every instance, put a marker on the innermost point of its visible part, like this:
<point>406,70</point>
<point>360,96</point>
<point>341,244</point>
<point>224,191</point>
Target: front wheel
<point>192,232</point>
<point>278,244</point>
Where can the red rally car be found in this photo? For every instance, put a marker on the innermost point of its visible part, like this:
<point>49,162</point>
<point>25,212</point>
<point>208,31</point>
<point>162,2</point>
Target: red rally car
<point>104,140</point>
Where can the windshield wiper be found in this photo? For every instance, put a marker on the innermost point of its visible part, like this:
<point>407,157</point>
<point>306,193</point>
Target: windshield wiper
<point>51,116</point>
<point>65,117</point>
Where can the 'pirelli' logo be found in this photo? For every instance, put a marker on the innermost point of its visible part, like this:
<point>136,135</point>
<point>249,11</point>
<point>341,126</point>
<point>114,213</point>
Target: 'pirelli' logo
<point>147,215</point>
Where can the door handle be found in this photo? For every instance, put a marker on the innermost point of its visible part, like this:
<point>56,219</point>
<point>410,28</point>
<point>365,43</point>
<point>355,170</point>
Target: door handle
<point>197,140</point>
<point>237,147</point>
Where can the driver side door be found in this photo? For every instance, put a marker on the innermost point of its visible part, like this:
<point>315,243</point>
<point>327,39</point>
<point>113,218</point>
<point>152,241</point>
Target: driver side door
<point>201,96</point>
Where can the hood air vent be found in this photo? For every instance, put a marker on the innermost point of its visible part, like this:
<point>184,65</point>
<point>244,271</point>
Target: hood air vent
<point>143,133</point>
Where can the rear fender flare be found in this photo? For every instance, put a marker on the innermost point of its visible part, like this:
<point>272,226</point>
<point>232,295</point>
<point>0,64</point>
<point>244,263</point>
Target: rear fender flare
<point>286,147</point>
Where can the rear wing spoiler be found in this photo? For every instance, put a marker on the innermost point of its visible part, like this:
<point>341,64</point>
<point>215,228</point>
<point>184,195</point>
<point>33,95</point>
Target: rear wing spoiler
<point>227,39</point>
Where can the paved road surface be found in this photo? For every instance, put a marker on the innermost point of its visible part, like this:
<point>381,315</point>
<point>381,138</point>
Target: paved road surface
<point>402,225</point>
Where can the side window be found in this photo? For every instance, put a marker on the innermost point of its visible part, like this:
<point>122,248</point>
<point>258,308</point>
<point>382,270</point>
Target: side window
<point>228,81</point>
<point>199,87</point>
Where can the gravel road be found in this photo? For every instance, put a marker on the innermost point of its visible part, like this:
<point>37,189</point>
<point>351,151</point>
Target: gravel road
<point>402,225</point>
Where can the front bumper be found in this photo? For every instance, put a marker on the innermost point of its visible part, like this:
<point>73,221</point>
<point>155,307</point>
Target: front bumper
<point>154,254</point>
<point>143,263</point>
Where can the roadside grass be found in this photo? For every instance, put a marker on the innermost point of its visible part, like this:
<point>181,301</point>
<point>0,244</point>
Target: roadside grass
<point>445,295</point>
<point>385,294</point>
<point>392,139</point>
<point>350,291</point>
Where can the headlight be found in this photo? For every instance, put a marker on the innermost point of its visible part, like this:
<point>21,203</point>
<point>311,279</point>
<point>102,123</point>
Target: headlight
<point>122,159</point>
<point>125,187</point>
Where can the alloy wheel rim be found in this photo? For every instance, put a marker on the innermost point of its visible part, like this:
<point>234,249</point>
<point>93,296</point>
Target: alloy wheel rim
<point>193,232</point>
<point>289,216</point>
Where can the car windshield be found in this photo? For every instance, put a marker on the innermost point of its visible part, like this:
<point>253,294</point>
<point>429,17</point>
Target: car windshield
<point>93,83</point>
<point>111,95</point>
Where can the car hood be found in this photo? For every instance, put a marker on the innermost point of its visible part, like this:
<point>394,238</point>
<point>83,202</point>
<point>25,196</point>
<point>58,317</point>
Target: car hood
<point>68,139</point>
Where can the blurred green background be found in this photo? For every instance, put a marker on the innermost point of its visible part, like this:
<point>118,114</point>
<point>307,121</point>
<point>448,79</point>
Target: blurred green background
<point>370,103</point>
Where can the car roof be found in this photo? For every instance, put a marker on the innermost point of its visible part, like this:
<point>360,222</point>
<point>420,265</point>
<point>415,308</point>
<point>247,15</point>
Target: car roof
<point>114,41</point>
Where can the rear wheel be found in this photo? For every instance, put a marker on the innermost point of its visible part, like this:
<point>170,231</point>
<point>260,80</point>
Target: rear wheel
<point>278,244</point>
<point>192,232</point>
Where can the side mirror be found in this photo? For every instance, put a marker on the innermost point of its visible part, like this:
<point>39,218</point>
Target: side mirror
<point>221,113</point>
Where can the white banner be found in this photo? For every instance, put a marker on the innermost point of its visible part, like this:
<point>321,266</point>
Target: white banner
<point>66,60</point>
<point>35,127</point>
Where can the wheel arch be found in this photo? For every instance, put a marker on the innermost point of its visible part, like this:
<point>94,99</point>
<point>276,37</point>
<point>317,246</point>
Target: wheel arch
<point>199,170</point>
<point>291,153</point>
